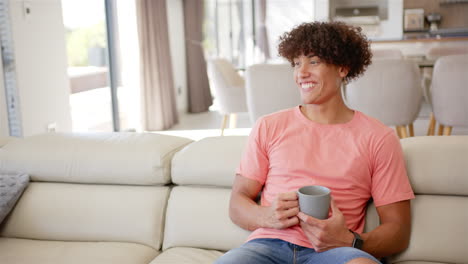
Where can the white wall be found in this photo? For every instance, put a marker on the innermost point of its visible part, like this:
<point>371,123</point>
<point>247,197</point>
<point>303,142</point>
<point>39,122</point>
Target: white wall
<point>321,10</point>
<point>175,17</point>
<point>41,65</point>
<point>392,28</point>
<point>282,16</point>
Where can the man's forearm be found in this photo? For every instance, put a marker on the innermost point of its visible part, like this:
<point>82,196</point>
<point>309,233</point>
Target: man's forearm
<point>245,213</point>
<point>392,236</point>
<point>385,240</point>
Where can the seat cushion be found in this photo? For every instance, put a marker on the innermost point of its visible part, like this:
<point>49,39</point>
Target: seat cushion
<point>85,212</point>
<point>419,262</point>
<point>24,251</point>
<point>198,217</point>
<point>187,255</point>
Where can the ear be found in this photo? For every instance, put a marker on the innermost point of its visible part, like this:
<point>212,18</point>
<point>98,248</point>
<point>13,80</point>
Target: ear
<point>343,71</point>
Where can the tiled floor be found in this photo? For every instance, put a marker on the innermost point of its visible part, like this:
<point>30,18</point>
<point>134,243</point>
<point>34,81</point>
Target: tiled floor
<point>197,126</point>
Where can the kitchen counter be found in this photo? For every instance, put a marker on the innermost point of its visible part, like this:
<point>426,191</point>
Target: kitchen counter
<point>422,39</point>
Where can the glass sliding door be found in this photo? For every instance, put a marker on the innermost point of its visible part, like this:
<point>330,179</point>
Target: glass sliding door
<point>103,64</point>
<point>228,30</point>
<point>127,65</point>
<point>88,70</point>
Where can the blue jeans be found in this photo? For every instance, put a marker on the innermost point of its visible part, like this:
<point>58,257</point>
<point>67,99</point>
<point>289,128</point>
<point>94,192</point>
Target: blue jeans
<point>277,251</point>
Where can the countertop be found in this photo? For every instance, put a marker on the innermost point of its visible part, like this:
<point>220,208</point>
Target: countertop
<point>421,39</point>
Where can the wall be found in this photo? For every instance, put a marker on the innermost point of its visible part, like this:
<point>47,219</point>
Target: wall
<point>392,28</point>
<point>321,10</point>
<point>175,16</point>
<point>41,65</point>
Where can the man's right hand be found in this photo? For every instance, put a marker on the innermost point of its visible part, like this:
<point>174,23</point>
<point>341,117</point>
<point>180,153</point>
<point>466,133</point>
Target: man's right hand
<point>283,211</point>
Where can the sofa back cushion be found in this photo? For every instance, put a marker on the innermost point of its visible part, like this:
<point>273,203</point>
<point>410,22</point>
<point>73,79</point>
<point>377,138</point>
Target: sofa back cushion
<point>438,170</point>
<point>105,158</point>
<point>437,165</point>
<point>83,212</point>
<point>209,161</point>
<point>198,217</point>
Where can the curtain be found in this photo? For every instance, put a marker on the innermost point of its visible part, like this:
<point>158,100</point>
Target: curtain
<point>262,33</point>
<point>159,110</point>
<point>241,39</point>
<point>199,95</point>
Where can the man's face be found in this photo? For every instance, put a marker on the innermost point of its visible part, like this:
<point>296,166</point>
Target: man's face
<point>318,81</point>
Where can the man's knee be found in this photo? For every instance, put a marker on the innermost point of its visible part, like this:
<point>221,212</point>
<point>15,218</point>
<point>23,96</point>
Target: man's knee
<point>361,261</point>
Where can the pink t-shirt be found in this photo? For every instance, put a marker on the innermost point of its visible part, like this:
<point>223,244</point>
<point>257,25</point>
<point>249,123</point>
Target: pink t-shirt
<point>357,160</point>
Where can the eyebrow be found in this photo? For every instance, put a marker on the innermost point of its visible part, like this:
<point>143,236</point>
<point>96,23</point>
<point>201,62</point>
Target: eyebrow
<point>311,55</point>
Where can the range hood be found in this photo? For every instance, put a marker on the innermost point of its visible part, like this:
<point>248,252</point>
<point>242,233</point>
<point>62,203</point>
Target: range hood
<point>359,12</point>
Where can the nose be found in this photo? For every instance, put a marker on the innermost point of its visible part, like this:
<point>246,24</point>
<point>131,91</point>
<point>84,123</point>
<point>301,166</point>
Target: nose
<point>302,70</point>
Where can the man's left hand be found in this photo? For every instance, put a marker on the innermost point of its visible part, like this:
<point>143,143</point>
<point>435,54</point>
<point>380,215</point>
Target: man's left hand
<point>329,233</point>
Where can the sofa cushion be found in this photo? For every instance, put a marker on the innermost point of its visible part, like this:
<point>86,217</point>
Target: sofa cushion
<point>5,140</point>
<point>106,158</point>
<point>198,217</point>
<point>437,165</point>
<point>210,161</point>
<point>187,255</point>
<point>80,212</point>
<point>439,230</point>
<point>24,251</point>
<point>419,262</point>
<point>11,188</point>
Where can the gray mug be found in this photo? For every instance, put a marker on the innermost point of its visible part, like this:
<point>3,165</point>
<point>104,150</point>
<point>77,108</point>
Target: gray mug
<point>314,200</point>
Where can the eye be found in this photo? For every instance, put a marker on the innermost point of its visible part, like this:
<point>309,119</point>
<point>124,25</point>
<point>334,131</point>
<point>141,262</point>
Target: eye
<point>296,63</point>
<point>313,62</point>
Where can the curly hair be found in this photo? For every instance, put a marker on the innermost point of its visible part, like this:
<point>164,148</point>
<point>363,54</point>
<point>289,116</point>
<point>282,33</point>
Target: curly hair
<point>333,42</point>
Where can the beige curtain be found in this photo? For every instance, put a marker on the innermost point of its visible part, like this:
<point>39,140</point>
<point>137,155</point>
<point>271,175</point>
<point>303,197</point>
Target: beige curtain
<point>159,110</point>
<point>199,95</point>
<point>261,31</point>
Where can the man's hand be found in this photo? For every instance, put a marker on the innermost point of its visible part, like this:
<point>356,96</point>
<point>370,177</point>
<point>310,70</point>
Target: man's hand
<point>329,233</point>
<point>283,211</point>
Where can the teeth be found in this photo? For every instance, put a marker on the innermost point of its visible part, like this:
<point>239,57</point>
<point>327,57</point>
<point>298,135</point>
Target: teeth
<point>307,85</point>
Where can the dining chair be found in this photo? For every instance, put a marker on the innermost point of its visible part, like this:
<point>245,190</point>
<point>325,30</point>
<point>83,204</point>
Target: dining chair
<point>229,90</point>
<point>270,88</point>
<point>390,91</point>
<point>435,53</point>
<point>449,92</point>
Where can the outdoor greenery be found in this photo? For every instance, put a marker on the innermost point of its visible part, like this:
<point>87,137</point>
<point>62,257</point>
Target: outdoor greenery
<point>81,40</point>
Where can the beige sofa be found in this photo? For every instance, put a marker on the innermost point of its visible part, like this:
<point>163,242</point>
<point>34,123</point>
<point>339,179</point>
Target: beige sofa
<point>149,198</point>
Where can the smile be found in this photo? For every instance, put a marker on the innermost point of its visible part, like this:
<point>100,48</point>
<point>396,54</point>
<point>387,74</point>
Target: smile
<point>307,85</point>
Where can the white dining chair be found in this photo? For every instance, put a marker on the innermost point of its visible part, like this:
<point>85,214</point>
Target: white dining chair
<point>434,54</point>
<point>229,90</point>
<point>390,91</point>
<point>449,92</point>
<point>270,88</point>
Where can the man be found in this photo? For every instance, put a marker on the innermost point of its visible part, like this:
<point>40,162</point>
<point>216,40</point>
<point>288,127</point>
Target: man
<point>321,142</point>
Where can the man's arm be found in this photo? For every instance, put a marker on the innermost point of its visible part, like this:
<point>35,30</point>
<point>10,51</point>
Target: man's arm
<point>390,237</point>
<point>246,213</point>
<point>393,233</point>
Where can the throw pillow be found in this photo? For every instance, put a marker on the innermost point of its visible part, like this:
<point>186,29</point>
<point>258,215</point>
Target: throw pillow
<point>12,186</point>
